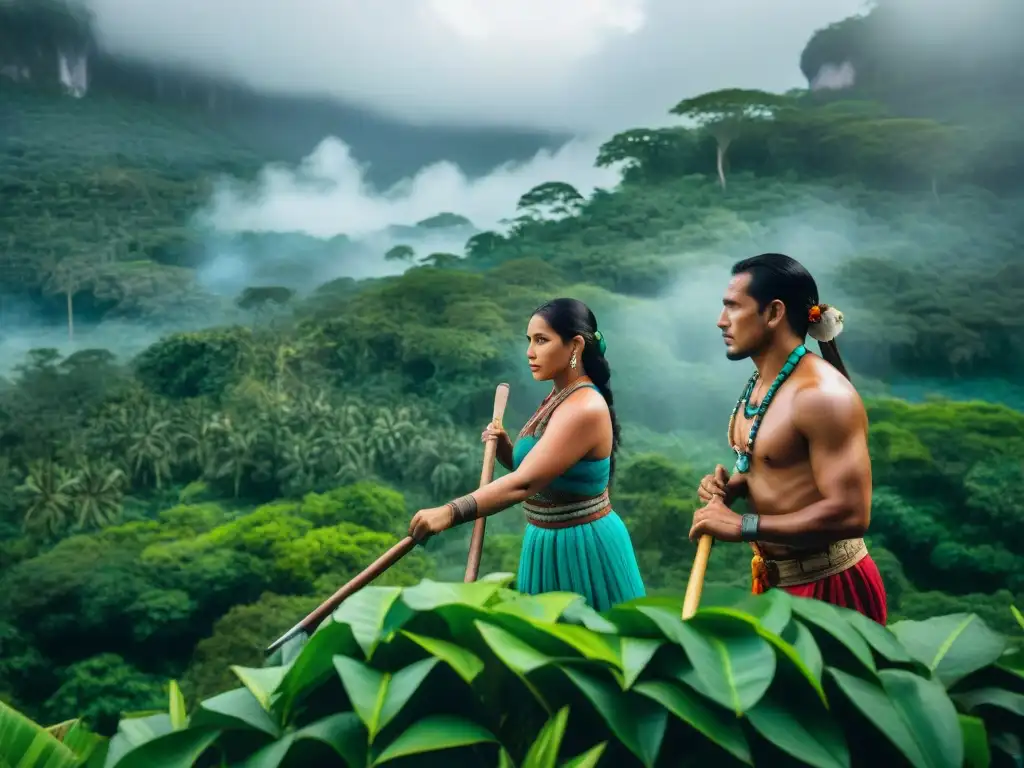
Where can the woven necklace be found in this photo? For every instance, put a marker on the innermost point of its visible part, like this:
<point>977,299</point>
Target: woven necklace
<point>743,458</point>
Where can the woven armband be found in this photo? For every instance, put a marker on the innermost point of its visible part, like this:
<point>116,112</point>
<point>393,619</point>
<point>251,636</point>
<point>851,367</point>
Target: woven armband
<point>463,509</point>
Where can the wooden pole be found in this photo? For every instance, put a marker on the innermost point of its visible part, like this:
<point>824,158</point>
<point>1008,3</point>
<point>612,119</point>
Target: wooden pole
<point>476,543</point>
<point>695,584</point>
<point>381,564</point>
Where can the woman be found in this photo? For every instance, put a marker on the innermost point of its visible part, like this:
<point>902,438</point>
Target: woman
<point>561,466</point>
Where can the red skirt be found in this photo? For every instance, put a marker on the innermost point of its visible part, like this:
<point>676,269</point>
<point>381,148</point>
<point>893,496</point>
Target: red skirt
<point>859,588</point>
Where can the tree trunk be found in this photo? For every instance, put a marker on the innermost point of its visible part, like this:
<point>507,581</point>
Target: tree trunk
<point>71,316</point>
<point>722,147</point>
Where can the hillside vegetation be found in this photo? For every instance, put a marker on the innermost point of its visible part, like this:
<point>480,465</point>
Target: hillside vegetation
<point>166,516</point>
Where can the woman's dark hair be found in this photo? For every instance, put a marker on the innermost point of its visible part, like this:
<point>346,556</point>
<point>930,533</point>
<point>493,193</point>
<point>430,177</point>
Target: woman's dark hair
<point>775,276</point>
<point>570,318</point>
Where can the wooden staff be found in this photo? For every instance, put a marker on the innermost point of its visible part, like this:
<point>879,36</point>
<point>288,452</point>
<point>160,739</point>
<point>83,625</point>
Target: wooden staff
<point>312,621</point>
<point>695,584</point>
<point>476,543</point>
<point>402,548</point>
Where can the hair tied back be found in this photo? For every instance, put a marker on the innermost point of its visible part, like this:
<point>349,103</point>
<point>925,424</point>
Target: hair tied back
<point>826,323</point>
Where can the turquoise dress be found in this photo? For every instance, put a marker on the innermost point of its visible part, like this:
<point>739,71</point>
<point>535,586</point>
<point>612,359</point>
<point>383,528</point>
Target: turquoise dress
<point>594,559</point>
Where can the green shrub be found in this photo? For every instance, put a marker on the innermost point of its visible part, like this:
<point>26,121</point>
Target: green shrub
<point>477,674</point>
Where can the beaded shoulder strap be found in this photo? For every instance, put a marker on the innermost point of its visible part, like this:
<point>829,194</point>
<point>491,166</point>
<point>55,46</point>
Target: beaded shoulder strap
<point>539,421</point>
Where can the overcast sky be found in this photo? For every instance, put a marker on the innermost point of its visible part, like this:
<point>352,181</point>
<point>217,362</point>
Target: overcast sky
<point>588,66</point>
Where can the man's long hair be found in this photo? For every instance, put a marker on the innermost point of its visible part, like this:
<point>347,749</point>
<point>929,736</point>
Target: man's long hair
<point>775,276</point>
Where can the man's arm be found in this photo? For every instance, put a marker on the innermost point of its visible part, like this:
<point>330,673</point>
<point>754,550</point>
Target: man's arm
<point>834,423</point>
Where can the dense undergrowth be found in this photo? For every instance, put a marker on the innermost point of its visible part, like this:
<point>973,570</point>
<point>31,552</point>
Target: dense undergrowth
<point>165,515</point>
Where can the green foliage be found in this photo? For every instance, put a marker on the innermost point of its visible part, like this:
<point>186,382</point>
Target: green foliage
<point>543,680</point>
<point>160,515</point>
<point>27,745</point>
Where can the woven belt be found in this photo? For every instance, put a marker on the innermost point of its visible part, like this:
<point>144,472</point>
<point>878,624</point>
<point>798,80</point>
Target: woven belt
<point>552,524</point>
<point>545,512</point>
<point>795,571</point>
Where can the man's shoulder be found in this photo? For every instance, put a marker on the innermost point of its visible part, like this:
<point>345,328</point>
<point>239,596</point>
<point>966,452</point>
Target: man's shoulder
<point>826,397</point>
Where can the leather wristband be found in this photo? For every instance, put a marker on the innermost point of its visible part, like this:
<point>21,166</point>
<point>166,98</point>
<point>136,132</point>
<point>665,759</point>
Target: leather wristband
<point>748,527</point>
<point>463,509</point>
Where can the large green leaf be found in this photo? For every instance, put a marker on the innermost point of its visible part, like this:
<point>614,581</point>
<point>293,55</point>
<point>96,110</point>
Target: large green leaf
<point>718,725</point>
<point>545,608</point>
<point>772,610</point>
<point>806,658</point>
<point>24,744</point>
<point>366,612</point>
<point>543,753</point>
<point>343,732</point>
<point>466,664</point>
<point>234,709</point>
<point>952,646</point>
<point>588,759</point>
<point>262,682</point>
<point>633,719</point>
<point>134,731</point>
<point>809,735</point>
<point>377,697</point>
<point>636,653</point>
<point>177,749</point>
<point>314,665</point>
<point>731,663</point>
<point>588,644</point>
<point>875,705</point>
<point>992,697</point>
<point>429,595</point>
<point>928,714</point>
<point>881,639</point>
<point>800,639</point>
<point>976,751</point>
<point>433,734</point>
<point>833,621</point>
<point>518,656</point>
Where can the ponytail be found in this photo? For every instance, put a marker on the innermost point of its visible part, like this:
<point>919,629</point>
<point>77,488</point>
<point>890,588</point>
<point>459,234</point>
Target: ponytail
<point>600,372</point>
<point>830,353</point>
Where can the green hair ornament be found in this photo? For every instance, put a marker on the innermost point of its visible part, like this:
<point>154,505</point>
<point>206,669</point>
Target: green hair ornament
<point>601,345</point>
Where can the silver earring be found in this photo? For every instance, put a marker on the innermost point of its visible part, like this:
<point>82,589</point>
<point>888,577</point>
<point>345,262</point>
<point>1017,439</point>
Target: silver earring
<point>572,360</point>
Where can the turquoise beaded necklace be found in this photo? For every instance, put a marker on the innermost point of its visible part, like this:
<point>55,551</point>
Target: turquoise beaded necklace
<point>743,458</point>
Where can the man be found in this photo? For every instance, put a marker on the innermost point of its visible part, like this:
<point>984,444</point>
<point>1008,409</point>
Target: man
<point>799,433</point>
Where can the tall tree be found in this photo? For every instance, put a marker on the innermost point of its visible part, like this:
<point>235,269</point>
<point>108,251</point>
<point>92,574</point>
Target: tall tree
<point>647,152</point>
<point>726,114</point>
<point>400,253</point>
<point>551,198</point>
<point>68,276</point>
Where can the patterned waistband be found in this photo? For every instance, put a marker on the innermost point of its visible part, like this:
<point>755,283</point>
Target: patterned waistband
<point>540,510</point>
<point>804,569</point>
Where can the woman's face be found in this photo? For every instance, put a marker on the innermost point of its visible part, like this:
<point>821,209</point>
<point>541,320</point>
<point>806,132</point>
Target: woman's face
<point>547,354</point>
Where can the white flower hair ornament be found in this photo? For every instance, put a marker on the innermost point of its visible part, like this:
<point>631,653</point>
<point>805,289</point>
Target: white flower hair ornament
<point>826,323</point>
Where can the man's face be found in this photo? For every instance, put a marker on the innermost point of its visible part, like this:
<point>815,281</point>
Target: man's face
<point>744,329</point>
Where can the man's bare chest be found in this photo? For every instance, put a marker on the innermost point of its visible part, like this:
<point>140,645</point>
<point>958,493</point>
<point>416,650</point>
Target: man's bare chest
<point>777,444</point>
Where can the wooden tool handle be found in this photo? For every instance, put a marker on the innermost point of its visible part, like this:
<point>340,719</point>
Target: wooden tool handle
<point>476,543</point>
<point>695,584</point>
<point>376,568</point>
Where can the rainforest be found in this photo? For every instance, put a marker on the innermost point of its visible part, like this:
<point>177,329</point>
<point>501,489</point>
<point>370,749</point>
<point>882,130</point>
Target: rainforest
<point>186,471</point>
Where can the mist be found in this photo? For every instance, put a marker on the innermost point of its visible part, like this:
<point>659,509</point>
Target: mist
<point>589,67</point>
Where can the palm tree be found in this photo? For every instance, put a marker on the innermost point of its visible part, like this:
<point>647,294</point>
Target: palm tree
<point>47,491</point>
<point>96,497</point>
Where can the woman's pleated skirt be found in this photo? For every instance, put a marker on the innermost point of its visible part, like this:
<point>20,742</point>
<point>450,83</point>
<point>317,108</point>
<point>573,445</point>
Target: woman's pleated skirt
<point>594,559</point>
